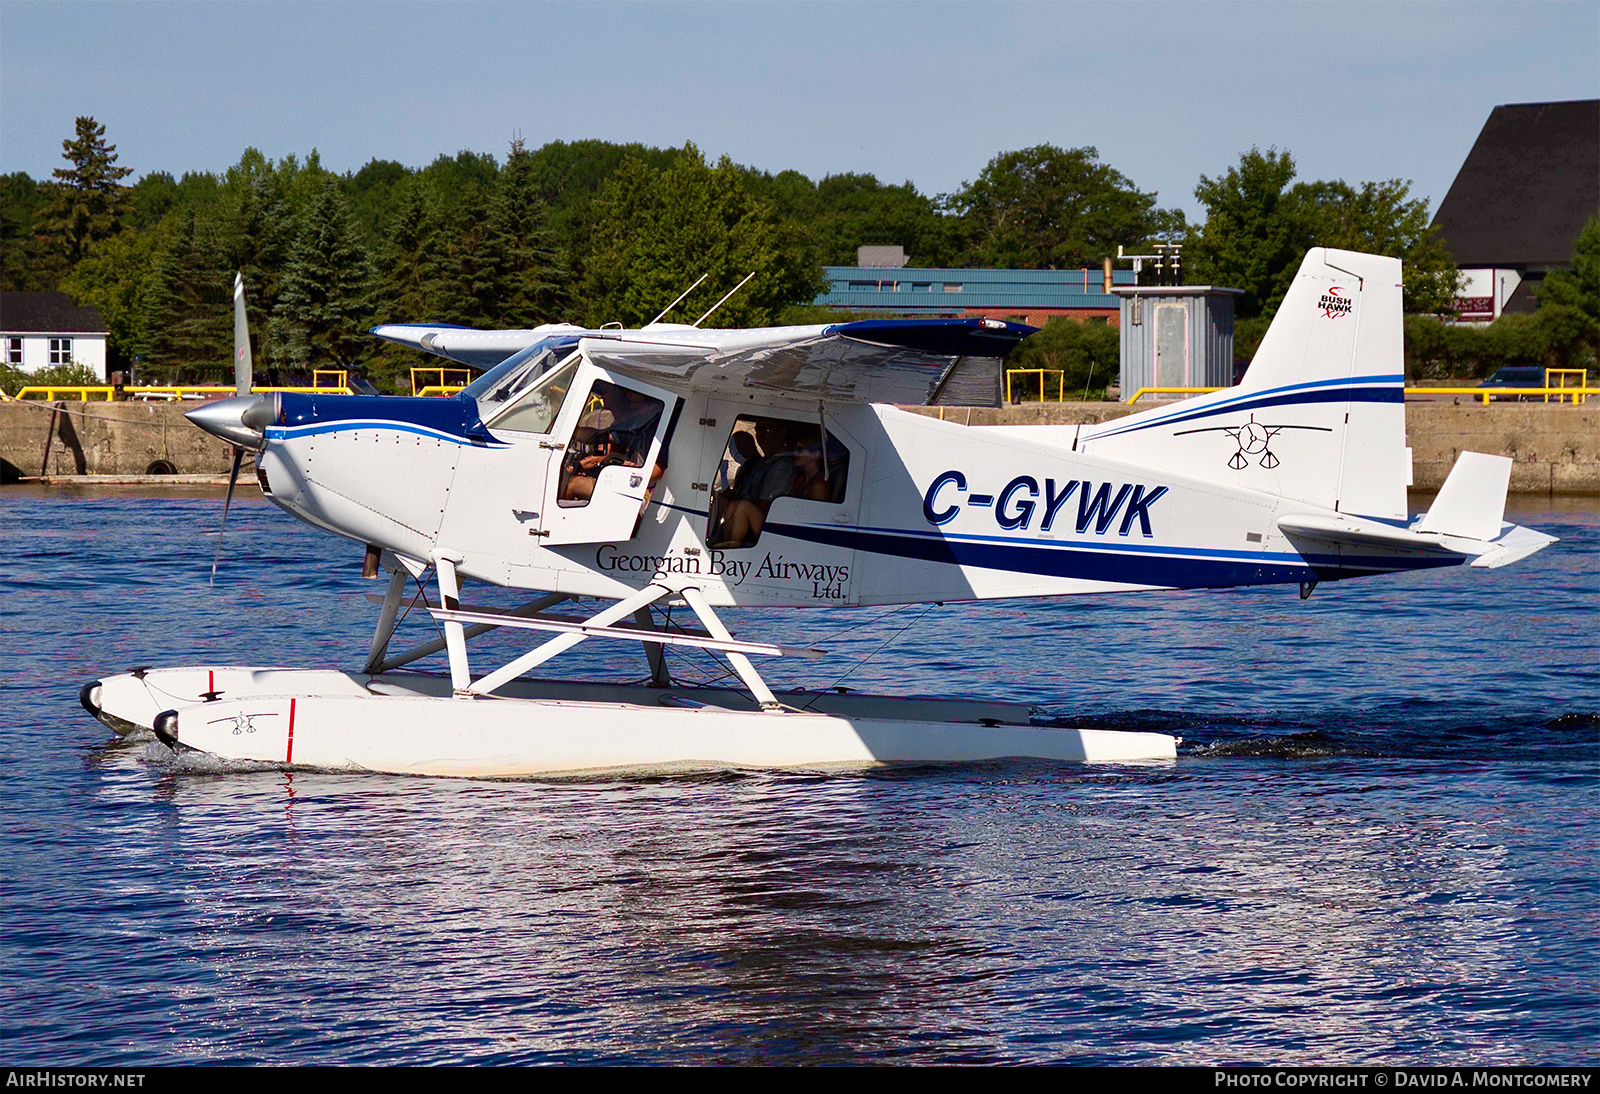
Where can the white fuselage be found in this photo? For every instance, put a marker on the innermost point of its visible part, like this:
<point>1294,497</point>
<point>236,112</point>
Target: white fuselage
<point>930,510</point>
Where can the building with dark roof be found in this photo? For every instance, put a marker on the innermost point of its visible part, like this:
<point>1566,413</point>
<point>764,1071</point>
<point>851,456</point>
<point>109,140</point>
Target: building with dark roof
<point>41,329</point>
<point>1530,182</point>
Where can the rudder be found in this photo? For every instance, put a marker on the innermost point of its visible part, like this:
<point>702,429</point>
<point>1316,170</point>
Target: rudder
<point>1320,415</point>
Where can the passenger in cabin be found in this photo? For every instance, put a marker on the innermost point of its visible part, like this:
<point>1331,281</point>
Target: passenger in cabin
<point>797,472</point>
<point>617,433</point>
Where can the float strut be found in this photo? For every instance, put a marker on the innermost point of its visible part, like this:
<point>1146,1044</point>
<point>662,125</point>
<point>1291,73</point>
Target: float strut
<point>561,642</point>
<point>741,663</point>
<point>655,651</point>
<point>386,616</point>
<point>455,642</point>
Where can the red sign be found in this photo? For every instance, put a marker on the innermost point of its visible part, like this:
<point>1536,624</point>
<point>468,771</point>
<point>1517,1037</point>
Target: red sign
<point>1474,307</point>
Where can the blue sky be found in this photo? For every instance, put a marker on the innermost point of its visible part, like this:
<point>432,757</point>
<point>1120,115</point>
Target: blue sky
<point>924,91</point>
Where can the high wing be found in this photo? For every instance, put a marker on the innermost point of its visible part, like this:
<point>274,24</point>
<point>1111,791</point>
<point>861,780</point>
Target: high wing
<point>869,361</point>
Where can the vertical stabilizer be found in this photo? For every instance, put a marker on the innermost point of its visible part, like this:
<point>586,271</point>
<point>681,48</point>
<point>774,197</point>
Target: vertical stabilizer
<point>1320,415</point>
<point>1472,501</point>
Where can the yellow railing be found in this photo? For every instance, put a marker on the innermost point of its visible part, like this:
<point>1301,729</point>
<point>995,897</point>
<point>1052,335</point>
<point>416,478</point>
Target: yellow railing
<point>1562,374</point>
<point>1561,393</point>
<point>1142,392</point>
<point>173,391</point>
<point>1061,379</point>
<point>447,384</point>
<point>82,394</point>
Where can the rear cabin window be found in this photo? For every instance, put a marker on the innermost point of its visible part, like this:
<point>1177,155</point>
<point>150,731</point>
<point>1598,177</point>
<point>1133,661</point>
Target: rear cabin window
<point>767,459</point>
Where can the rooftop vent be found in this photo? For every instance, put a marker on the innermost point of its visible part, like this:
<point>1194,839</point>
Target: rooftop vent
<point>881,257</point>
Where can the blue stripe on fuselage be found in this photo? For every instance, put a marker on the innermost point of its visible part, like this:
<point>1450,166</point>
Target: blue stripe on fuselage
<point>1103,565</point>
<point>1364,389</point>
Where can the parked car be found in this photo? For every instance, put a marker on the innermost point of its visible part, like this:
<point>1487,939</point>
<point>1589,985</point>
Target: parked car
<point>1515,376</point>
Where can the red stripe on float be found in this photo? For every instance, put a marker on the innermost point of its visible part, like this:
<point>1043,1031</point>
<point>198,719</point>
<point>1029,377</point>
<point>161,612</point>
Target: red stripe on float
<point>288,756</point>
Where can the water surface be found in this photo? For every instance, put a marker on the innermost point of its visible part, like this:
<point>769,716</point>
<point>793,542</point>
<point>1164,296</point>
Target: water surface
<point>1378,843</point>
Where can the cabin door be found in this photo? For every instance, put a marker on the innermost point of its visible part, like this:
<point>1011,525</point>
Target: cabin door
<point>610,443</point>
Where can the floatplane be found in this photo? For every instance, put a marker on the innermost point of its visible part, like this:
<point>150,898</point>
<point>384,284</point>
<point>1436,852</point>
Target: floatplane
<point>678,467</point>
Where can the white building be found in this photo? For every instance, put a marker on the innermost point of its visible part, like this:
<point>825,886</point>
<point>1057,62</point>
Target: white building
<point>41,329</point>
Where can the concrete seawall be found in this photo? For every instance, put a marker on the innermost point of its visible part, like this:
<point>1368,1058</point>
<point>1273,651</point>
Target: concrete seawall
<point>1556,448</point>
<point>73,438</point>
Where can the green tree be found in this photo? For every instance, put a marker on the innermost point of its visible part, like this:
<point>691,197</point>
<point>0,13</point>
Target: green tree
<point>319,318</point>
<point>658,230</point>
<point>405,279</point>
<point>462,271</point>
<point>24,267</point>
<point>86,198</point>
<point>372,192</point>
<point>569,178</point>
<point>1258,228</point>
<point>1087,354</point>
<point>404,288</point>
<point>114,277</point>
<point>1569,300</point>
<point>1052,208</point>
<point>186,315</point>
<point>1250,239</point>
<point>853,210</point>
<point>526,282</point>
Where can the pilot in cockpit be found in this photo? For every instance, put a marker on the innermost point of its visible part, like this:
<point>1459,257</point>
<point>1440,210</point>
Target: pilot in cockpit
<point>616,433</point>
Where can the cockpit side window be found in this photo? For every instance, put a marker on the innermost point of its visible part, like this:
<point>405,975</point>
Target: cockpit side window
<point>616,430</point>
<point>767,459</point>
<point>535,411</point>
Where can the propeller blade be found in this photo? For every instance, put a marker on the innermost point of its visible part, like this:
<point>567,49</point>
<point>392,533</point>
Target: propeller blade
<point>242,366</point>
<point>233,478</point>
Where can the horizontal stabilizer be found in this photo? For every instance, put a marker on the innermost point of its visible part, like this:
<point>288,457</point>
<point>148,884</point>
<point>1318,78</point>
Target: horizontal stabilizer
<point>1344,530</point>
<point>1472,502</point>
<point>1517,543</point>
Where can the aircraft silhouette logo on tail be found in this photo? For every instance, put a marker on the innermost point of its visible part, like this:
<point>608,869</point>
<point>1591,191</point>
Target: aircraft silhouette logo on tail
<point>1254,439</point>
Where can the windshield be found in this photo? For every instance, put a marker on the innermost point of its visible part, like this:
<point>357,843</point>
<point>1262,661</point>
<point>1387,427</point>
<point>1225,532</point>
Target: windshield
<point>514,373</point>
<point>535,412</point>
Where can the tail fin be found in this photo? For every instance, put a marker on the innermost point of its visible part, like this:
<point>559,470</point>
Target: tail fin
<point>1320,416</point>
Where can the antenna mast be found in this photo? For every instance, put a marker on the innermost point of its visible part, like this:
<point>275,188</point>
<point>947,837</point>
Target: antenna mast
<point>724,300</point>
<point>678,301</point>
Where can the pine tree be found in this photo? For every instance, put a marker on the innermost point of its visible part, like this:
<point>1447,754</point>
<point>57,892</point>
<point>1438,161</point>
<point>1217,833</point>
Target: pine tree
<point>187,320</point>
<point>525,287</point>
<point>87,198</point>
<point>405,289</point>
<point>323,301</point>
<point>463,271</point>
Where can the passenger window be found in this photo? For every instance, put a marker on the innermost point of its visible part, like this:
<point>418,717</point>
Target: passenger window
<point>536,411</point>
<point>767,459</point>
<point>616,430</point>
